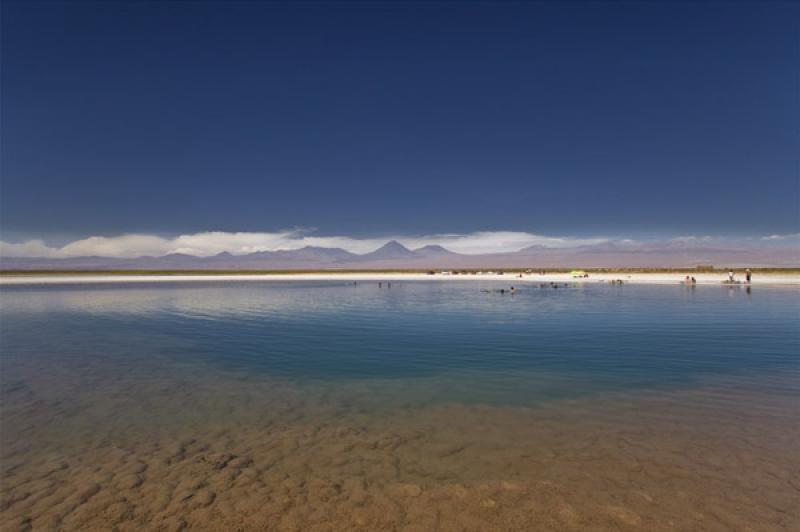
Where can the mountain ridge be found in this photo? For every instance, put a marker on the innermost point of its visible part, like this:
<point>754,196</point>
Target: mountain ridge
<point>394,255</point>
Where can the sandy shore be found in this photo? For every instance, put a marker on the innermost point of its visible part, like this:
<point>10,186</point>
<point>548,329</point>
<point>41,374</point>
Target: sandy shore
<point>632,278</point>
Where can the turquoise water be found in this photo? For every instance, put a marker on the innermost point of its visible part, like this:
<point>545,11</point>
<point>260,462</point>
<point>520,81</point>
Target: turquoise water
<point>464,344</point>
<point>424,406</point>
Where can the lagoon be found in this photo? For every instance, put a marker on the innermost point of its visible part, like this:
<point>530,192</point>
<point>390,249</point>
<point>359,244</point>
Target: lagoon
<point>328,405</point>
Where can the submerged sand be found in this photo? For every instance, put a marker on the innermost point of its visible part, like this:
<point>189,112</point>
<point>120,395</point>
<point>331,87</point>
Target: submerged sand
<point>140,452</point>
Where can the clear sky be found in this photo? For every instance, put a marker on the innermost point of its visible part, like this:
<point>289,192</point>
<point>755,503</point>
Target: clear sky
<point>399,118</point>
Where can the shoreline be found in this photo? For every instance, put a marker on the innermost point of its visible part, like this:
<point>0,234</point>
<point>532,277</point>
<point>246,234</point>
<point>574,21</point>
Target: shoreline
<point>703,278</point>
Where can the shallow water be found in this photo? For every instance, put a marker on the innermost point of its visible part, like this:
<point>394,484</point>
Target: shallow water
<point>427,405</point>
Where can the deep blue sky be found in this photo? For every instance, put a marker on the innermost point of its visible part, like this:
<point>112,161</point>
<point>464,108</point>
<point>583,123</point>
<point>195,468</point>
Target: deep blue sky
<point>362,119</point>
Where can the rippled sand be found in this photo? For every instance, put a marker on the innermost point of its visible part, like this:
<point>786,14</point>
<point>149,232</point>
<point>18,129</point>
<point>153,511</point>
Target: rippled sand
<point>144,453</point>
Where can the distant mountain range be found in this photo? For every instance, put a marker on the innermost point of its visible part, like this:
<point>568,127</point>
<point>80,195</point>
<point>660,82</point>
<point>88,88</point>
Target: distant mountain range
<point>393,255</point>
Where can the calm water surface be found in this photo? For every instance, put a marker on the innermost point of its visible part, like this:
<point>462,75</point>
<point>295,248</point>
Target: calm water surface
<point>463,379</point>
<point>503,348</point>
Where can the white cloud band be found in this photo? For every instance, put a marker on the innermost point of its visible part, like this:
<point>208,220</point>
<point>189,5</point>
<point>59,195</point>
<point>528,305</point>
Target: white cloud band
<point>240,243</point>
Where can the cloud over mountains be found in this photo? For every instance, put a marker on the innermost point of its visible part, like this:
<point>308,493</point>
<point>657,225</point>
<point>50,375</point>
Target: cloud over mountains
<point>211,243</point>
<point>301,250</point>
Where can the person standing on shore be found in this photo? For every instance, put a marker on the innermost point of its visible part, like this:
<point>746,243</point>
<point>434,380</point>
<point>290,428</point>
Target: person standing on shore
<point>748,275</point>
<point>730,276</point>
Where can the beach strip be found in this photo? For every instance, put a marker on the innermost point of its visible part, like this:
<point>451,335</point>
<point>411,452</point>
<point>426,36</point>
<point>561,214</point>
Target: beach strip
<point>511,278</point>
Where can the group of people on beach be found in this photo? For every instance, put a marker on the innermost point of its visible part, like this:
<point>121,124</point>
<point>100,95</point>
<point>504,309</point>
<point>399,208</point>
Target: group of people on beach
<point>688,280</point>
<point>748,275</point>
